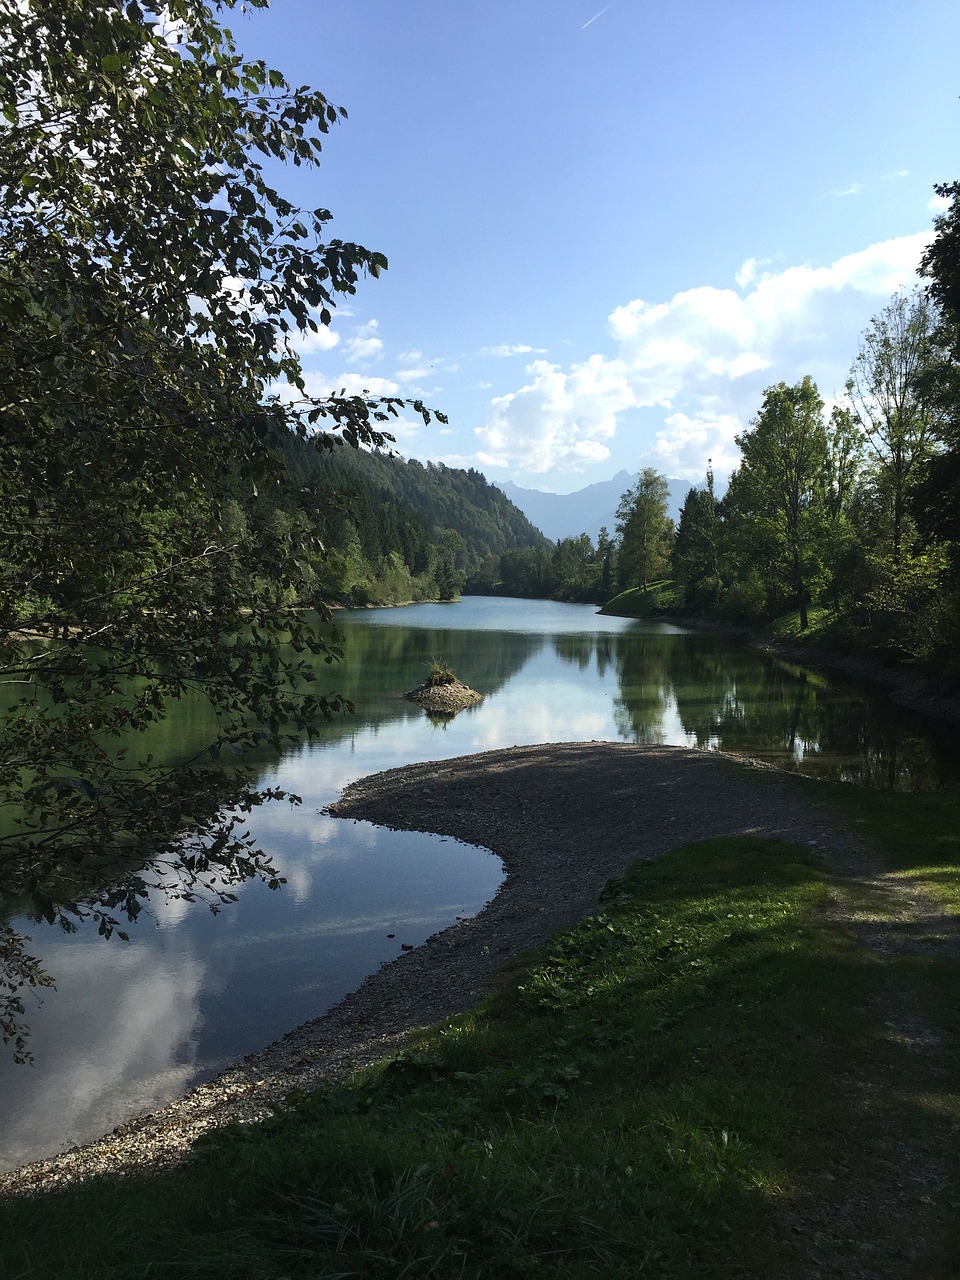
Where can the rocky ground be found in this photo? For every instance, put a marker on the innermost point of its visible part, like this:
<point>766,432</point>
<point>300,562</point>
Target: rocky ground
<point>444,699</point>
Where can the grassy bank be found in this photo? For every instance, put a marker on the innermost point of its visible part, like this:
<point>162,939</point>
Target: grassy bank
<point>654,600</point>
<point>675,1088</point>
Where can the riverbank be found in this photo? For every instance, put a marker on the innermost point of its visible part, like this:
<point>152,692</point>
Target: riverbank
<point>908,686</point>
<point>741,1063</point>
<point>564,819</point>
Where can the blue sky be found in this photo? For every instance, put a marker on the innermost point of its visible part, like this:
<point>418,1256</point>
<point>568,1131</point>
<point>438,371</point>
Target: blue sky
<point>609,227</point>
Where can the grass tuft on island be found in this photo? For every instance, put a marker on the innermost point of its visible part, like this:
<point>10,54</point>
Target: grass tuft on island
<point>668,1089</point>
<point>442,694</point>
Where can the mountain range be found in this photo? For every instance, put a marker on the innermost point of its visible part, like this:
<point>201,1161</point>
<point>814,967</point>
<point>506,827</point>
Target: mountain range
<point>566,515</point>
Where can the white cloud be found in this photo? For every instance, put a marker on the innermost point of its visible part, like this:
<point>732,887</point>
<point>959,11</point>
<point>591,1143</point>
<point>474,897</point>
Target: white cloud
<point>402,428</point>
<point>309,343</point>
<point>558,419</point>
<point>750,271</point>
<point>364,344</point>
<point>460,461</point>
<point>415,367</point>
<point>854,189</point>
<point>708,335</point>
<point>691,371</point>
<point>320,385</point>
<point>685,444</point>
<point>938,204</point>
<point>700,335</point>
<point>513,349</point>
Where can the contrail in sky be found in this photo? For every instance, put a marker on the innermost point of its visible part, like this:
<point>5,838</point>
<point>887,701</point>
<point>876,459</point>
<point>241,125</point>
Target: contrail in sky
<point>598,15</point>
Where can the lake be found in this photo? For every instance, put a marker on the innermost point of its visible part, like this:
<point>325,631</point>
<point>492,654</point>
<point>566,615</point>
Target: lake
<point>131,1025</point>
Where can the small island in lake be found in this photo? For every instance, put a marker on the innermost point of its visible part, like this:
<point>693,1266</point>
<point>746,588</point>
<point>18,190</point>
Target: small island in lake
<point>442,693</point>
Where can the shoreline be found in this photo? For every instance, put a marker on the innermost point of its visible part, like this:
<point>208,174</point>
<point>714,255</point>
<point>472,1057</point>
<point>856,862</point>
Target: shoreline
<point>564,819</point>
<point>908,688</point>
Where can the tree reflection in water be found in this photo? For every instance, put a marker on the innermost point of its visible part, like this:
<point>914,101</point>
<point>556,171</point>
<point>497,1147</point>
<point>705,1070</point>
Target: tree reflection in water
<point>548,672</point>
<point>708,691</point>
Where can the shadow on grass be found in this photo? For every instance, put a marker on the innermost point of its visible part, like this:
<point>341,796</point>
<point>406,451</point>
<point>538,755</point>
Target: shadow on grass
<point>695,1082</point>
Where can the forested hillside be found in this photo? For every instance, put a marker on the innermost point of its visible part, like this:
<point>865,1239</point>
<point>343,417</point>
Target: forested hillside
<point>395,531</point>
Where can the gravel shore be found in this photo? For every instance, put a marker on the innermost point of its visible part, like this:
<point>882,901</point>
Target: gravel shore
<point>564,818</point>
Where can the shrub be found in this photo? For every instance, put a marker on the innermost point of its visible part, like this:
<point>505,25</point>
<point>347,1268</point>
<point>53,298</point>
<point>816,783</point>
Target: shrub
<point>440,672</point>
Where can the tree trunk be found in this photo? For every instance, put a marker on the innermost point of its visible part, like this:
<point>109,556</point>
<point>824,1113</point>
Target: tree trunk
<point>801,589</point>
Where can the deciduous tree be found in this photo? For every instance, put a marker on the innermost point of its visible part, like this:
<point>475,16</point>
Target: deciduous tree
<point>644,530</point>
<point>779,487</point>
<point>937,499</point>
<point>152,283</point>
<point>900,424</point>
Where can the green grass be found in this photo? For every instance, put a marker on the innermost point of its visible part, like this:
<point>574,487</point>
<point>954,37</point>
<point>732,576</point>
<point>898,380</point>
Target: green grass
<point>646,1097</point>
<point>821,624</point>
<point>918,838</point>
<point>917,832</point>
<point>645,602</point>
<point>439,672</point>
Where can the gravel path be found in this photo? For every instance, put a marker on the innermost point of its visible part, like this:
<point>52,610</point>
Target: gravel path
<point>564,818</point>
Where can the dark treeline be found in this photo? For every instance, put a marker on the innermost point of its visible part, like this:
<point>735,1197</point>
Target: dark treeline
<point>375,529</point>
<point>577,569</point>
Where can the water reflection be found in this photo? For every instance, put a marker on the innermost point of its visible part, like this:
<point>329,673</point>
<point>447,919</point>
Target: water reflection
<point>117,1035</point>
<point>707,691</point>
<point>133,1024</point>
<point>562,672</point>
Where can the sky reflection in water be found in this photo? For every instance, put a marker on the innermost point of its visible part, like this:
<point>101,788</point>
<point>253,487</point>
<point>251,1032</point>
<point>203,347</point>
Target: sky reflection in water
<point>132,1025</point>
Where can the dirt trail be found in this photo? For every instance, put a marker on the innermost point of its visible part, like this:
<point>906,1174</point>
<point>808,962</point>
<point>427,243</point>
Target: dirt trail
<point>882,1208</point>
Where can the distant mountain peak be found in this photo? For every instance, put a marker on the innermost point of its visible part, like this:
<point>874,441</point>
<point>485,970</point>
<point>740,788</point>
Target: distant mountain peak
<point>587,510</point>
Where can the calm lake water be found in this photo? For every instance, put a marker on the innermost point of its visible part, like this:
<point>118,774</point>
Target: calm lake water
<point>131,1025</point>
